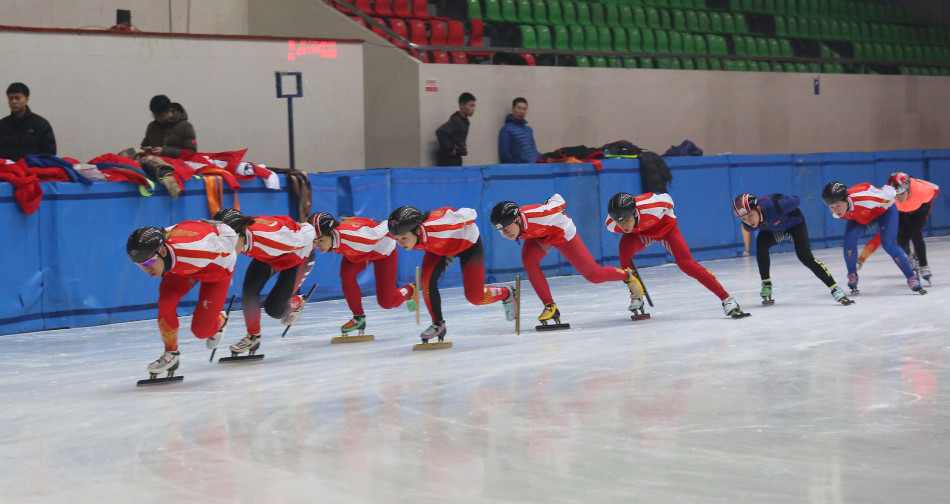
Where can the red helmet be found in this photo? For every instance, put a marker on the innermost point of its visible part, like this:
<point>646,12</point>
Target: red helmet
<point>743,204</point>
<point>899,181</point>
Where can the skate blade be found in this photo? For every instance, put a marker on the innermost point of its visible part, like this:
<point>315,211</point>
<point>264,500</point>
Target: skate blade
<point>643,316</point>
<point>159,381</point>
<point>921,291</point>
<point>552,327</point>
<point>432,346</point>
<point>740,315</point>
<point>241,358</point>
<point>353,339</point>
<point>855,292</point>
<point>846,301</point>
<point>768,302</point>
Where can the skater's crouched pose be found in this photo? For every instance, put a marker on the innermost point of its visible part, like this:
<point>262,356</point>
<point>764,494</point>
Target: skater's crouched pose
<point>183,255</point>
<point>445,234</point>
<point>277,245</point>
<point>544,227</point>
<point>866,207</point>
<point>649,218</point>
<point>362,242</point>
<point>777,217</point>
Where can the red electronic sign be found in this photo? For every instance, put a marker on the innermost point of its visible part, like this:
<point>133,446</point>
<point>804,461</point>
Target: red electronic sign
<point>323,49</point>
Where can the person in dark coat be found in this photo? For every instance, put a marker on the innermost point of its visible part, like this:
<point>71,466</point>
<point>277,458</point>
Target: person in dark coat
<point>516,138</point>
<point>23,132</point>
<point>170,133</point>
<point>454,132</point>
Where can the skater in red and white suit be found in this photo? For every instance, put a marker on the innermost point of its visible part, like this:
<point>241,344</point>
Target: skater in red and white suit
<point>362,242</point>
<point>182,256</point>
<point>544,227</point>
<point>649,218</point>
<point>277,245</point>
<point>445,234</point>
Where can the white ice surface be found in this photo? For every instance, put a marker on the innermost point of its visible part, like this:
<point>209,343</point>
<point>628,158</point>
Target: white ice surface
<point>806,401</point>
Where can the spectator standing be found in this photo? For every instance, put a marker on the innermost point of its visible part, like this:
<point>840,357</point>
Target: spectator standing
<point>454,132</point>
<point>516,138</point>
<point>23,132</point>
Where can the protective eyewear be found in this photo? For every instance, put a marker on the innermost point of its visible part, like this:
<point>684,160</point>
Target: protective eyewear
<point>150,261</point>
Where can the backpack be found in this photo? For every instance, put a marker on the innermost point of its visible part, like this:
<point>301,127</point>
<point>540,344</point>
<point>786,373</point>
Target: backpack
<point>654,172</point>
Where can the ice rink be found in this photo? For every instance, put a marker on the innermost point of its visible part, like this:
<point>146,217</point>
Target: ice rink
<point>806,401</point>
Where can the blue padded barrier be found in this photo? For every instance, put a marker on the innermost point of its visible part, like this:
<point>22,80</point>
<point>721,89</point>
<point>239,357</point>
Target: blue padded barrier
<point>71,269</point>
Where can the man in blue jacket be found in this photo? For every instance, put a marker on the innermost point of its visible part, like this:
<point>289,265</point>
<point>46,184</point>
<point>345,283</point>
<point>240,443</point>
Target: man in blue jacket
<point>778,217</point>
<point>516,139</point>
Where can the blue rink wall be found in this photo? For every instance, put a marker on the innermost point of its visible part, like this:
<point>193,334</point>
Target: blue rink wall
<point>65,265</point>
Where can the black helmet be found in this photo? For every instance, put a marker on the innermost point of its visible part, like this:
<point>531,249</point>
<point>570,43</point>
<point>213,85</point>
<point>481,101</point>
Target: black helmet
<point>743,204</point>
<point>834,192</point>
<point>404,219</point>
<point>323,222</point>
<point>622,206</point>
<point>233,218</point>
<point>504,213</point>
<point>144,243</point>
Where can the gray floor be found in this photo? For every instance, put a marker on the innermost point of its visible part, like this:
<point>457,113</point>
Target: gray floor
<point>806,401</point>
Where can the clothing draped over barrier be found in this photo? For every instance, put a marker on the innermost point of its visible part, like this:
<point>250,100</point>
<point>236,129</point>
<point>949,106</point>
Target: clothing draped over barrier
<point>66,266</point>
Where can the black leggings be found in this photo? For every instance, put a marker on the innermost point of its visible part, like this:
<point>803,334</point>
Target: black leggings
<point>799,236</point>
<point>911,229</point>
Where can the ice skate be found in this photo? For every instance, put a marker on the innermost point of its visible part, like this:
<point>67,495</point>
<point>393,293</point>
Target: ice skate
<point>167,363</point>
<point>511,304</point>
<point>551,313</point>
<point>250,343</point>
<point>634,283</point>
<point>838,294</point>
<point>357,325</point>
<point>636,306</point>
<point>436,330</point>
<point>296,308</point>
<point>766,293</point>
<point>731,308</point>
<point>924,273</point>
<point>853,283</point>
<point>213,342</point>
<point>914,284</point>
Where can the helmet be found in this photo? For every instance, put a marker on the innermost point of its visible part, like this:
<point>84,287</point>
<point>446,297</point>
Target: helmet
<point>323,222</point>
<point>899,181</point>
<point>504,213</point>
<point>834,192</point>
<point>404,219</point>
<point>231,217</point>
<point>144,243</point>
<point>743,204</point>
<point>622,206</point>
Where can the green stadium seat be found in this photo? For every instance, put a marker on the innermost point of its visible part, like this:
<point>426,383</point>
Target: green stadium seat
<point>786,48</point>
<point>568,13</point>
<point>775,50</point>
<point>781,29</point>
<point>824,30</point>
<point>665,20</point>
<point>692,21</point>
<point>781,7</point>
<point>699,42</point>
<point>898,52</point>
<point>529,38</point>
<point>715,64</point>
<point>540,10</point>
<point>814,28</point>
<point>790,67</point>
<point>677,64</point>
<point>703,21</point>
<point>648,40</point>
<point>577,37</point>
<point>544,36</point>
<point>646,62</point>
<point>619,36</point>
<point>689,45</point>
<point>554,12</point>
<point>562,37</point>
<point>676,41</point>
<point>801,68</point>
<point>687,64</point>
<point>604,39</point>
<point>738,46</point>
<point>612,15</point>
<point>597,15</point>
<point>858,51</point>
<point>715,23</point>
<point>777,67</point>
<point>791,8</point>
<point>474,9</point>
<point>509,11</point>
<point>614,62</point>
<point>748,6</point>
<point>639,17</point>
<point>626,16</point>
<point>664,63</point>
<point>492,11</point>
<point>679,20</point>
<point>599,62</point>
<point>653,18</point>
<point>728,23</point>
<point>762,46</point>
<point>583,13</point>
<point>768,6</point>
<point>752,46</point>
<point>662,41</point>
<point>582,61</point>
<point>590,39</point>
<point>629,62</point>
<point>634,40</point>
<point>524,11</point>
<point>702,64</point>
<point>741,26</point>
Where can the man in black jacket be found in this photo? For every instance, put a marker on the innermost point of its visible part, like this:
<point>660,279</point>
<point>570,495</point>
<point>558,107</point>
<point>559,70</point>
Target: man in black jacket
<point>454,132</point>
<point>23,132</point>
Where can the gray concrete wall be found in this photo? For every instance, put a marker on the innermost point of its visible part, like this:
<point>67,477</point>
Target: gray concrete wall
<point>95,88</point>
<point>740,112</point>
